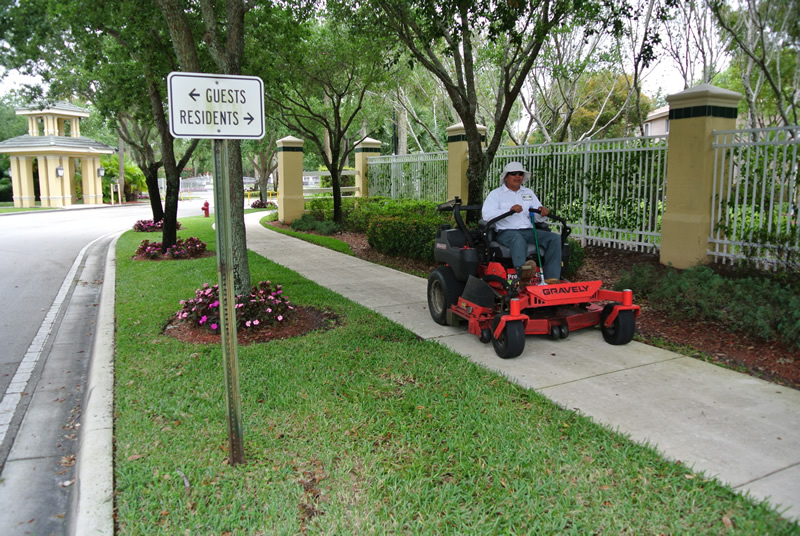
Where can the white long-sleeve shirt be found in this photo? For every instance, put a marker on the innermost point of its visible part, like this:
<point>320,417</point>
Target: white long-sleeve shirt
<point>500,200</point>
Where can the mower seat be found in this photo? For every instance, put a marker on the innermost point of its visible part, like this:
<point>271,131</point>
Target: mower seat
<point>499,252</point>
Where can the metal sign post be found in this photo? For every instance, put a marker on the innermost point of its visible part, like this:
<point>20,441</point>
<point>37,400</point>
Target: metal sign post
<point>227,303</point>
<point>221,107</point>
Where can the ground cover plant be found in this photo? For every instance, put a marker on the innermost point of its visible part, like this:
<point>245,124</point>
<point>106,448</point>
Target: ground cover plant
<point>263,306</point>
<point>149,226</point>
<point>756,304</point>
<point>365,429</point>
<point>184,248</point>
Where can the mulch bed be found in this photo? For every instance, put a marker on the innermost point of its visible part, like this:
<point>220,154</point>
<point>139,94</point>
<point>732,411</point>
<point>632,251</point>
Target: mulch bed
<point>300,321</point>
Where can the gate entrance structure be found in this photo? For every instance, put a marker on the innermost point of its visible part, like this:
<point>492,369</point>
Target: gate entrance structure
<point>54,140</point>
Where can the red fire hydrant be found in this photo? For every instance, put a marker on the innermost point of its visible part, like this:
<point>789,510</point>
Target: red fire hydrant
<point>205,209</point>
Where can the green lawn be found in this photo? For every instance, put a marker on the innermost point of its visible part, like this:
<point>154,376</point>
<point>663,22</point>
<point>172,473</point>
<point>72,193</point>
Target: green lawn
<point>365,429</point>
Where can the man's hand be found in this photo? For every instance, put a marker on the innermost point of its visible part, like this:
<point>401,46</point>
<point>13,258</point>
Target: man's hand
<point>543,211</point>
<point>517,208</point>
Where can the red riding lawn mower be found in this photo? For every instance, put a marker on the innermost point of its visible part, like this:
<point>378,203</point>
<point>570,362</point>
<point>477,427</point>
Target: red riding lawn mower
<point>477,283</point>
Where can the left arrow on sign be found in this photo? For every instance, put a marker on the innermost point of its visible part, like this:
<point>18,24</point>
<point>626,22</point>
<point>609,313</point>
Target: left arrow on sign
<point>194,95</point>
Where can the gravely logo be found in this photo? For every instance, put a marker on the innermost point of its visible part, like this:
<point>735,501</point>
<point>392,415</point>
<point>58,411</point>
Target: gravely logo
<point>561,289</point>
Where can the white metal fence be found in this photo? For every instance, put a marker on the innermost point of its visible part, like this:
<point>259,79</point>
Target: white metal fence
<point>756,195</point>
<point>420,176</point>
<point>611,191</point>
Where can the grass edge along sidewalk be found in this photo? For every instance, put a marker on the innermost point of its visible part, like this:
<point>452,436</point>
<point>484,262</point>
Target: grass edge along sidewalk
<point>366,429</point>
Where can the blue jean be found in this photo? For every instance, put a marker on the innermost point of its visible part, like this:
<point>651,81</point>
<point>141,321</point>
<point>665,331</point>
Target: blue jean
<point>517,241</point>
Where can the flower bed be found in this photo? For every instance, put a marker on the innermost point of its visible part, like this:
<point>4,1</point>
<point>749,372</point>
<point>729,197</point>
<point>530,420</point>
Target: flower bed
<point>149,226</point>
<point>264,306</point>
<point>189,248</point>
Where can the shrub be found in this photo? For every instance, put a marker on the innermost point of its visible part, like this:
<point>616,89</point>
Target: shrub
<point>149,226</point>
<point>307,223</point>
<point>757,305</point>
<point>576,255</point>
<point>258,203</point>
<point>186,249</point>
<point>264,306</point>
<point>410,235</point>
<point>149,250</point>
<point>189,248</point>
<point>358,212</point>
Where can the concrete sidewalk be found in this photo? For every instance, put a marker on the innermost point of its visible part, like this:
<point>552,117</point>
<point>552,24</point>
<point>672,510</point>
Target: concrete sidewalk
<point>742,430</point>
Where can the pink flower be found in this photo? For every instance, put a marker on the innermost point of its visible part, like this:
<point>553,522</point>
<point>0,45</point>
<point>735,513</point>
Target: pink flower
<point>280,317</point>
<point>247,323</point>
<point>256,322</point>
<point>203,319</point>
<point>213,326</point>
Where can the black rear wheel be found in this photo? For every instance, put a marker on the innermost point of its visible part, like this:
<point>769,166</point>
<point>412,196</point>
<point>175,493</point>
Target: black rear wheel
<point>621,330</point>
<point>511,341</point>
<point>443,291</point>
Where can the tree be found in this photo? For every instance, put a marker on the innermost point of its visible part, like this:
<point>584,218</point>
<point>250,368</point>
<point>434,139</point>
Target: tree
<point>263,156</point>
<point>115,55</point>
<point>11,126</point>
<point>766,35</point>
<point>442,38</point>
<point>694,43</point>
<point>138,136</point>
<point>327,78</point>
<point>222,28</point>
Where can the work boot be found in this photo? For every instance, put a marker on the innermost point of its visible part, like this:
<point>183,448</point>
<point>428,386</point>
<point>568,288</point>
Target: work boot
<point>552,281</point>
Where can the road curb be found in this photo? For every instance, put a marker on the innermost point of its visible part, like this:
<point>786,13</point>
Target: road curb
<point>94,499</point>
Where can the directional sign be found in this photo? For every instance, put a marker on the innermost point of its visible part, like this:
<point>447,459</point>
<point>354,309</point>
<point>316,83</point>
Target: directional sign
<point>215,106</point>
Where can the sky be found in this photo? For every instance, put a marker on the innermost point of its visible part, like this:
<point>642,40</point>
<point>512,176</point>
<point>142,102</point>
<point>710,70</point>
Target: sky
<point>14,80</point>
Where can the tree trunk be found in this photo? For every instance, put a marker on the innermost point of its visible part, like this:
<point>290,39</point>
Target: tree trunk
<point>151,178</point>
<point>241,264</point>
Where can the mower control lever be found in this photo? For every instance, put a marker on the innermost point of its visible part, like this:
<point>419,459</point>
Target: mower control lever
<point>498,218</point>
<point>551,215</point>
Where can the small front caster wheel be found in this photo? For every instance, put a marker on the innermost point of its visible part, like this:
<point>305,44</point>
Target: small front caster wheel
<point>511,341</point>
<point>555,332</point>
<point>563,331</point>
<point>486,335</point>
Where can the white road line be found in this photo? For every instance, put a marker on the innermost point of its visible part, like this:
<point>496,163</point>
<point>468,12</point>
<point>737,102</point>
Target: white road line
<point>15,390</point>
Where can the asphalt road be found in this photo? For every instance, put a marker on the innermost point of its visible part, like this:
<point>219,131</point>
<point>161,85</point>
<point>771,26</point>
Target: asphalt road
<point>52,272</point>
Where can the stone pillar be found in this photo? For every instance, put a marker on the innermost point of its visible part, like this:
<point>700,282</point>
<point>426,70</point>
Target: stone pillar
<point>368,147</point>
<point>54,184</point>
<point>22,181</point>
<point>91,184</point>
<point>458,161</point>
<point>73,184</point>
<point>50,126</point>
<point>686,224</point>
<point>291,203</point>
<point>67,181</point>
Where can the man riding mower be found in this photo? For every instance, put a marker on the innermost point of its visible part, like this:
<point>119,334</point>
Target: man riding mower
<point>480,282</point>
